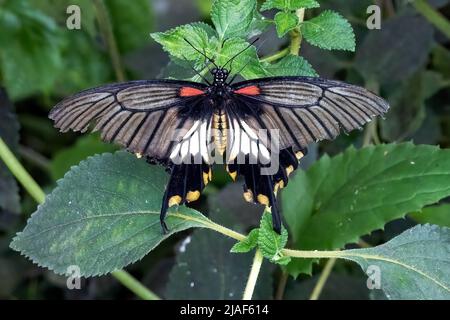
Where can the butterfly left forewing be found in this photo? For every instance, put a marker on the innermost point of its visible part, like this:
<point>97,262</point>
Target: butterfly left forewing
<point>145,117</point>
<point>307,109</point>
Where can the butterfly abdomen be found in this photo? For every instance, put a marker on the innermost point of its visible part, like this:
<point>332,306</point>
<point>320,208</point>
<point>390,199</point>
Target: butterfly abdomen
<point>220,128</point>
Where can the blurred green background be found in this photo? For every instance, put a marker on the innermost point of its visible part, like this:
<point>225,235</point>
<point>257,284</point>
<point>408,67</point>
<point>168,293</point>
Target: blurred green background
<point>42,61</point>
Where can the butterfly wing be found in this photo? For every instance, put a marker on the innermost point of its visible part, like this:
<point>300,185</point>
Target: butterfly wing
<point>166,121</point>
<point>281,116</point>
<point>306,109</point>
<point>145,117</point>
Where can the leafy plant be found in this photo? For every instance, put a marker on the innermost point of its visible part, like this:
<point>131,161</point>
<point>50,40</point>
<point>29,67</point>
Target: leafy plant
<point>104,213</point>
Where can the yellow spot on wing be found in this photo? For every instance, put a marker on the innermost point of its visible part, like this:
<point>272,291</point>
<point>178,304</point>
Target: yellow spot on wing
<point>205,178</point>
<point>233,175</point>
<point>192,195</point>
<point>263,199</point>
<point>174,200</point>
<point>138,155</point>
<point>299,155</point>
<point>248,196</point>
<point>279,185</point>
<point>289,170</point>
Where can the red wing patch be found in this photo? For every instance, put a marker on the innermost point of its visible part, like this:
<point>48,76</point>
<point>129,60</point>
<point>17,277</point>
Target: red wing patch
<point>190,92</point>
<point>249,91</point>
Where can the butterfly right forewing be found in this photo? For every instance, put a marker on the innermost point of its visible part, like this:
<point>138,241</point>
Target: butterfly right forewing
<point>145,117</point>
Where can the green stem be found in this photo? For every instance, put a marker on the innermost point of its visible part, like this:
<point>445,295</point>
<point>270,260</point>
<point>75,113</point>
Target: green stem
<point>253,276</point>
<point>20,173</point>
<point>281,285</point>
<point>135,286</point>
<point>276,56</point>
<point>38,195</point>
<point>313,254</point>
<point>322,279</point>
<point>433,16</point>
<point>296,34</point>
<point>107,31</point>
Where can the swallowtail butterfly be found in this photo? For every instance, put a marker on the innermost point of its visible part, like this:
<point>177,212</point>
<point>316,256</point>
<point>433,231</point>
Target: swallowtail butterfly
<point>187,126</point>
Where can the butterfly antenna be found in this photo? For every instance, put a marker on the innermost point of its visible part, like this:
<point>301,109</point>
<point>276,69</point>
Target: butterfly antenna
<point>257,49</point>
<point>203,54</point>
<point>198,73</point>
<point>237,73</point>
<point>233,57</point>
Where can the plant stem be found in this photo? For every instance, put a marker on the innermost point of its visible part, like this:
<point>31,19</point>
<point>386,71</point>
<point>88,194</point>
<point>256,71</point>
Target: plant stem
<point>322,279</point>
<point>433,16</point>
<point>296,34</point>
<point>278,55</point>
<point>38,195</point>
<point>135,286</point>
<point>107,31</point>
<point>20,173</point>
<point>312,253</point>
<point>253,276</point>
<point>281,285</point>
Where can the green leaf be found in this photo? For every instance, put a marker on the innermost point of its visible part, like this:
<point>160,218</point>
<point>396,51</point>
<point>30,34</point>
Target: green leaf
<point>259,25</point>
<point>246,245</point>
<point>9,132</point>
<point>85,65</point>
<point>57,10</point>
<point>247,61</point>
<point>414,265</point>
<point>338,200</point>
<point>131,23</point>
<point>232,18</point>
<point>271,243</point>
<point>85,146</point>
<point>205,269</point>
<point>407,110</point>
<point>205,27</point>
<point>329,31</point>
<point>285,22</point>
<point>30,58</point>
<point>441,60</point>
<point>439,215</point>
<point>173,41</point>
<point>289,4</point>
<point>102,216</point>
<point>404,40</point>
<point>291,66</point>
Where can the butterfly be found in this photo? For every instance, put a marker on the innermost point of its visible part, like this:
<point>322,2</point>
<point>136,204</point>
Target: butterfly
<point>259,129</point>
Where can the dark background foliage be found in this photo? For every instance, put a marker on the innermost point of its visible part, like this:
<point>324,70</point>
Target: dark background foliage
<point>41,61</point>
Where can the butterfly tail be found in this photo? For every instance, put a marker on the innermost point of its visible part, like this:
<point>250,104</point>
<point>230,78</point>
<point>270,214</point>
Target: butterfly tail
<point>186,183</point>
<point>262,187</point>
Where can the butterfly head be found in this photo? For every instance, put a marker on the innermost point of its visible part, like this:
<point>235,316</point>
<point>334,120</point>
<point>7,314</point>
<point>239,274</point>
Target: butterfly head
<point>220,75</point>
